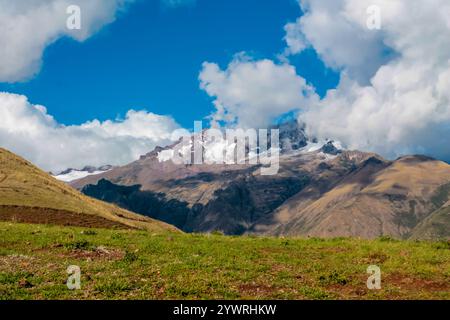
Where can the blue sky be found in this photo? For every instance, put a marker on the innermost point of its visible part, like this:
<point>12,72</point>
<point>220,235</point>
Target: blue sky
<point>184,63</point>
<point>151,56</point>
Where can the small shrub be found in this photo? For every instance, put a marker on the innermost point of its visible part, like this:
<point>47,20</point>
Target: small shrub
<point>130,257</point>
<point>116,236</point>
<point>378,257</point>
<point>78,245</point>
<point>333,278</point>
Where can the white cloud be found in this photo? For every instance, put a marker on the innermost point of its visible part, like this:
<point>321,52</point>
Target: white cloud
<point>294,38</point>
<point>391,104</point>
<point>337,31</point>
<point>28,27</point>
<point>253,93</point>
<point>393,97</point>
<point>31,132</point>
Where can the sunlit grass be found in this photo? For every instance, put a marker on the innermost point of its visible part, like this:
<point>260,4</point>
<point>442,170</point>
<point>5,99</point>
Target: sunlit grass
<point>118,264</point>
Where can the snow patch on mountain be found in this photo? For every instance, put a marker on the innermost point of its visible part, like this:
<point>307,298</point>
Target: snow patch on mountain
<point>75,174</point>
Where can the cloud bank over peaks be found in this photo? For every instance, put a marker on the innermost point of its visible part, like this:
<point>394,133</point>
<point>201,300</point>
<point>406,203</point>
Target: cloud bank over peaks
<point>394,95</point>
<point>31,132</point>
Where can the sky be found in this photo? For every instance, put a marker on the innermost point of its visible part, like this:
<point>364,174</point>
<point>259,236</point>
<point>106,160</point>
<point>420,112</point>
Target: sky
<point>151,56</point>
<point>373,75</point>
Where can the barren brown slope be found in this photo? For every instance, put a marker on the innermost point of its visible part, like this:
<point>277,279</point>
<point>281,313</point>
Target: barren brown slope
<point>27,194</point>
<point>436,226</point>
<point>379,198</point>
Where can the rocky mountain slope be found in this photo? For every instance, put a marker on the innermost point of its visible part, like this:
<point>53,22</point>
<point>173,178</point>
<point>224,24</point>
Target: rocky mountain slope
<point>319,190</point>
<point>30,195</point>
<point>377,198</point>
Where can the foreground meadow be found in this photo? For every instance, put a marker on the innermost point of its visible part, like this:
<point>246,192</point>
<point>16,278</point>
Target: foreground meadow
<point>127,264</point>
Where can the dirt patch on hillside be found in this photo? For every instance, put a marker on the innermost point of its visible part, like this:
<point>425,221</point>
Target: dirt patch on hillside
<point>36,215</point>
<point>407,282</point>
<point>100,253</point>
<point>393,283</point>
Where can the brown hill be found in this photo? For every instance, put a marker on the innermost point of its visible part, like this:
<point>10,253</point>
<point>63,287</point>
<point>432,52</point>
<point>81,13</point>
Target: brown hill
<point>27,194</point>
<point>379,198</point>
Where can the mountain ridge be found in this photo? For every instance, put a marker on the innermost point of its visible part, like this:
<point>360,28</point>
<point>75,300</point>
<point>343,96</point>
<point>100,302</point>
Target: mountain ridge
<point>315,180</point>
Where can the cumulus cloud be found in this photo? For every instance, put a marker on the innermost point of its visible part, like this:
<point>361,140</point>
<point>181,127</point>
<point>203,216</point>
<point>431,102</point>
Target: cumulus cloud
<point>388,103</point>
<point>338,31</point>
<point>253,93</point>
<point>393,97</point>
<point>31,132</point>
<point>28,27</point>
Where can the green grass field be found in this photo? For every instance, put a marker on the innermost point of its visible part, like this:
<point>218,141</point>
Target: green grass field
<point>140,265</point>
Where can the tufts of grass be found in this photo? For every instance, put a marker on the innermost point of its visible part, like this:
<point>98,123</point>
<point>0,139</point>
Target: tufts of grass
<point>140,265</point>
<point>89,232</point>
<point>78,245</point>
<point>333,278</point>
<point>314,293</point>
<point>130,257</point>
<point>15,278</point>
<point>442,245</point>
<point>113,288</point>
<point>387,239</point>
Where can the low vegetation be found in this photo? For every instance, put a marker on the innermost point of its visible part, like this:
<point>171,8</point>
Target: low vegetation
<point>133,264</point>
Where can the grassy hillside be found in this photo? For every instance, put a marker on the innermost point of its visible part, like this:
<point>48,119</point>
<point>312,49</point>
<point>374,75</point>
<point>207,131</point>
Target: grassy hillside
<point>133,264</point>
<point>28,194</point>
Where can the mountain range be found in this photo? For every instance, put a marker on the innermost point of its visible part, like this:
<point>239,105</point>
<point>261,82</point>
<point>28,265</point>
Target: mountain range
<point>320,190</point>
